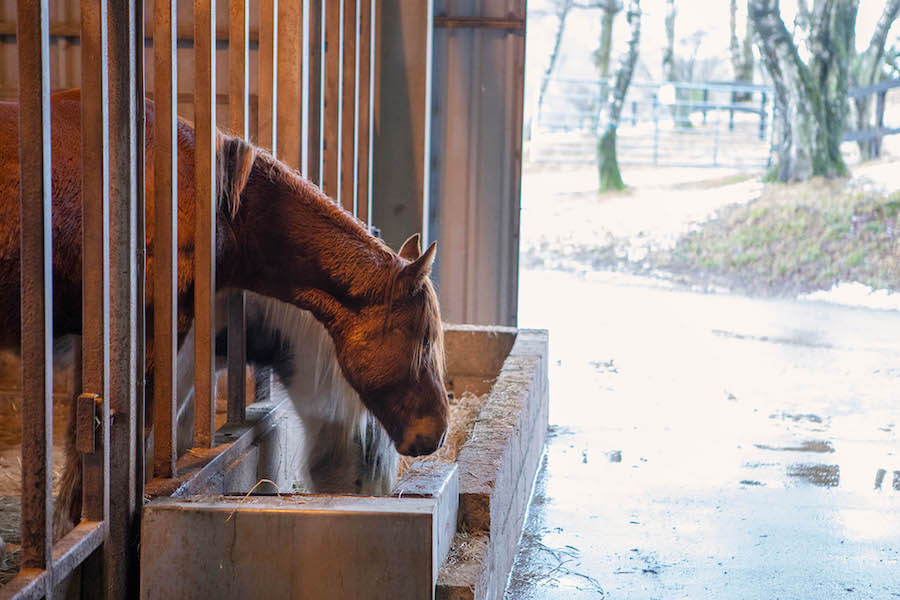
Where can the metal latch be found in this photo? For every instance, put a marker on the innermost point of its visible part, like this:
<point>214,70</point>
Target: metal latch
<point>87,421</point>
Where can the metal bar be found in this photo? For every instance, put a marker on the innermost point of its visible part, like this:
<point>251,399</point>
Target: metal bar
<point>515,25</point>
<point>140,372</point>
<point>72,550</point>
<point>37,285</point>
<point>238,67</point>
<point>879,123</point>
<point>315,134</point>
<point>349,106</point>
<point>120,550</point>
<point>165,251</point>
<point>237,358</point>
<point>333,14</point>
<point>95,244</point>
<point>366,64</point>
<point>291,73</point>
<point>238,89</point>
<point>267,131</point>
<point>205,223</point>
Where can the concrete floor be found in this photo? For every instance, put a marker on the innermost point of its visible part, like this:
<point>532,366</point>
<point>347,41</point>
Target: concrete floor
<point>712,446</point>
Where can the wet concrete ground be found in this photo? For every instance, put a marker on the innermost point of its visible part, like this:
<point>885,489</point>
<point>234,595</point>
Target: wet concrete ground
<point>712,446</point>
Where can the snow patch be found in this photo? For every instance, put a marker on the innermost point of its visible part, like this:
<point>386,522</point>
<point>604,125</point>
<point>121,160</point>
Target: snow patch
<point>856,294</point>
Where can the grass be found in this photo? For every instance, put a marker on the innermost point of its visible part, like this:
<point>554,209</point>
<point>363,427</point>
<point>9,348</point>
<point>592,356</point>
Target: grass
<point>797,237</point>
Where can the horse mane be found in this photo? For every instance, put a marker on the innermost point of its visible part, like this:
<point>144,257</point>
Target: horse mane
<point>234,162</point>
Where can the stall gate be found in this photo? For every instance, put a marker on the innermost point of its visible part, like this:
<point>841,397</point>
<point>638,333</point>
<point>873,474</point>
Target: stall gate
<point>313,108</point>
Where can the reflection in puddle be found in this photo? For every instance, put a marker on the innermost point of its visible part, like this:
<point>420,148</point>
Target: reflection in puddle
<point>822,475</point>
<point>823,446</point>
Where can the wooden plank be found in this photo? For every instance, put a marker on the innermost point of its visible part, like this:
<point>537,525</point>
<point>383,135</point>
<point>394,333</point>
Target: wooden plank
<point>292,103</point>
<point>315,24</point>
<point>238,67</point>
<point>366,62</point>
<point>268,67</point>
<point>349,106</point>
<point>333,15</point>
<point>95,248</point>
<point>205,232</point>
<point>165,251</point>
<point>119,552</point>
<point>37,286</point>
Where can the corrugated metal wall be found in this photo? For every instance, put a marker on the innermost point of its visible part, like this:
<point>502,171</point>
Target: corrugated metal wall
<point>476,157</point>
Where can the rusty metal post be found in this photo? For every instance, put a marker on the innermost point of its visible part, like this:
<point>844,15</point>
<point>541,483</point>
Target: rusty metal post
<point>315,138</point>
<point>165,253</point>
<point>267,130</point>
<point>366,62</point>
<point>333,15</point>
<point>205,224</point>
<point>95,244</point>
<point>120,549</point>
<point>33,28</point>
<point>238,103</point>
<point>237,358</point>
<point>292,71</point>
<point>350,106</point>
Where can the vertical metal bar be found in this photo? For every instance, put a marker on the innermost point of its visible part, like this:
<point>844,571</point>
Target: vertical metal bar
<point>349,105</point>
<point>762,116</point>
<point>239,67</point>
<point>165,252</point>
<point>879,123</point>
<point>334,33</point>
<point>140,372</point>
<point>205,224</point>
<point>655,129</point>
<point>365,64</point>
<point>120,549</point>
<point>238,90</point>
<point>95,244</point>
<point>291,73</point>
<point>268,67</point>
<point>33,27</point>
<point>716,139</point>
<point>237,354</point>
<point>315,136</point>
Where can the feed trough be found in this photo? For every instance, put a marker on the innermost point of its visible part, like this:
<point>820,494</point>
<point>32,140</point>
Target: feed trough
<point>448,530</point>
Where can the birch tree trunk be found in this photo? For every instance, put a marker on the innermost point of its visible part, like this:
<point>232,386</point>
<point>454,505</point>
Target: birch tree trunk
<point>811,100</point>
<point>668,59</point>
<point>604,51</point>
<point>610,177</point>
<point>562,12</point>
<point>868,70</point>
<point>741,49</point>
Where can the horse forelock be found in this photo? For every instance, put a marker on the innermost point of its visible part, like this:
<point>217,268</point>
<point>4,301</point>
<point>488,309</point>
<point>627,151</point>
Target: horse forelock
<point>427,323</point>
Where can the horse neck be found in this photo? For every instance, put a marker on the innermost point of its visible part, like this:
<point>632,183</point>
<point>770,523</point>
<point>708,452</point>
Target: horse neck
<point>285,224</point>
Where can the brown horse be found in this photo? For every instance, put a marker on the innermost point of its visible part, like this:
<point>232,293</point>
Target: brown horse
<point>277,235</point>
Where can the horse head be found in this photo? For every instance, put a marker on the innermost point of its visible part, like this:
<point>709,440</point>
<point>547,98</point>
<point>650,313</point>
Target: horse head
<point>391,351</point>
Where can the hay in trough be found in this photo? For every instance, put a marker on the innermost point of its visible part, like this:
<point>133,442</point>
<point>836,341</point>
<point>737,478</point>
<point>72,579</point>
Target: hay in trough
<point>464,413</point>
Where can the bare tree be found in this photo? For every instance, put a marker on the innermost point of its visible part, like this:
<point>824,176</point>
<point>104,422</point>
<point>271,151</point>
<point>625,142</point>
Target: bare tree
<point>741,50</point>
<point>868,70</point>
<point>811,103</point>
<point>561,9</point>
<point>610,177</point>
<point>668,59</point>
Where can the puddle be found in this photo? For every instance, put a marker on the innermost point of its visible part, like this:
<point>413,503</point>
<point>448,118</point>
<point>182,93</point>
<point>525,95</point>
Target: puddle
<point>821,475</point>
<point>821,446</point>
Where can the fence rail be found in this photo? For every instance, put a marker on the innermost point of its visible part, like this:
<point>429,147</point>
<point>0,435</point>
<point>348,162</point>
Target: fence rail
<point>710,124</point>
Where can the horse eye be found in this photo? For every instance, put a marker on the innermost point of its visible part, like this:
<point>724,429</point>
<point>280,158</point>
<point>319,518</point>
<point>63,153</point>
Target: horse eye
<point>426,344</point>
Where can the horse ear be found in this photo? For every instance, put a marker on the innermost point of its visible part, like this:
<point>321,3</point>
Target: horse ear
<point>419,269</point>
<point>411,248</point>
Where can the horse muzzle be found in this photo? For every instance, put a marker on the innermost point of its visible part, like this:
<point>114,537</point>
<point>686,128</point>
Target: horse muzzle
<point>425,436</point>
